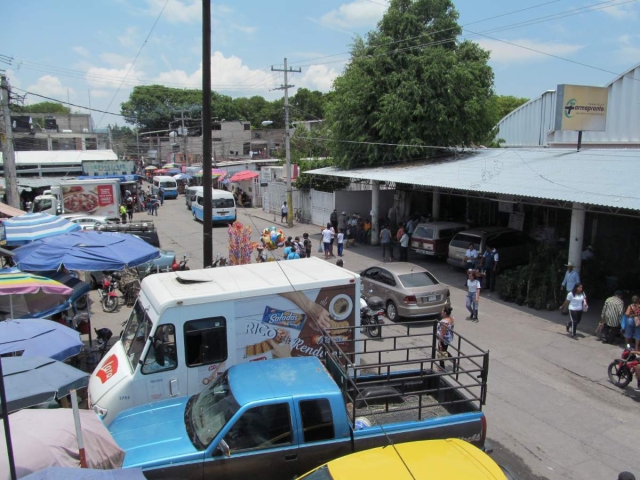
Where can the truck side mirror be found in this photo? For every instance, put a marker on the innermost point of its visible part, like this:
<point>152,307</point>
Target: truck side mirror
<point>223,447</point>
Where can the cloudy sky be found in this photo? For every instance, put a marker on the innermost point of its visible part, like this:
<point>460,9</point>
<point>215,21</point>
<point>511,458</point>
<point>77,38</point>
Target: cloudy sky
<point>94,52</point>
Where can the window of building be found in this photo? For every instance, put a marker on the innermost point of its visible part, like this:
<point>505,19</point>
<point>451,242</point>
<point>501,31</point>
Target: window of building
<point>217,139</point>
<point>247,126</point>
<point>317,420</point>
<point>216,126</point>
<point>205,341</point>
<point>261,427</point>
<point>246,148</point>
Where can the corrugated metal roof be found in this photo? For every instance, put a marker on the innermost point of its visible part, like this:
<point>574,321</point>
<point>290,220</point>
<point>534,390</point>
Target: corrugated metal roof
<point>594,177</point>
<point>533,123</point>
<point>52,157</point>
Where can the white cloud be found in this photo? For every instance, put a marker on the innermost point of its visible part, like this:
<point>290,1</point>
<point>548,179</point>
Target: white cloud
<point>318,77</point>
<point>359,13</point>
<point>49,86</point>
<point>177,11</point>
<point>505,53</point>
<point>81,51</point>
<point>112,77</point>
<point>624,11</point>
<point>128,38</point>
<point>628,49</point>
<point>229,75</point>
<point>114,60</point>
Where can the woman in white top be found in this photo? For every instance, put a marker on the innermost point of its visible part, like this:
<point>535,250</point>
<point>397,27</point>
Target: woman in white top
<point>473,295</point>
<point>577,301</point>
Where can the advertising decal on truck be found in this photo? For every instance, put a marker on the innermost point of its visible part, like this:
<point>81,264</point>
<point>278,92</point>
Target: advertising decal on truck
<point>91,199</point>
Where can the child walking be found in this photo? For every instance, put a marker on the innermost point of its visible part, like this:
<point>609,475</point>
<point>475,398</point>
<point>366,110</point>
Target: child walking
<point>340,242</point>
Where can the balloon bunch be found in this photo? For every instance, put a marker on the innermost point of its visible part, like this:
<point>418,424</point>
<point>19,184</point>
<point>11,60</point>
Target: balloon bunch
<point>272,238</point>
<point>240,244</point>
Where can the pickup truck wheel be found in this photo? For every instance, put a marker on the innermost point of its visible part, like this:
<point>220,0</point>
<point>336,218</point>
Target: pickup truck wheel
<point>392,311</point>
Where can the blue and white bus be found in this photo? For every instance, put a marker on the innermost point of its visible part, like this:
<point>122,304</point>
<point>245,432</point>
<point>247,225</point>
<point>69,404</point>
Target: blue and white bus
<point>223,205</point>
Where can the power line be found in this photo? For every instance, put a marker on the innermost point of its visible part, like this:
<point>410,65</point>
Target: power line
<point>67,103</point>
<point>135,59</point>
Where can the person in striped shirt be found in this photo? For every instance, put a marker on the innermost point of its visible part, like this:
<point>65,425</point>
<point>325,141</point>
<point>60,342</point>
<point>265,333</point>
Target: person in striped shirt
<point>612,316</point>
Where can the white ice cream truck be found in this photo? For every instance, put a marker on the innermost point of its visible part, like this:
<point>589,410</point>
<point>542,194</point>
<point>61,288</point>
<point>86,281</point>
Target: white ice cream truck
<point>188,327</point>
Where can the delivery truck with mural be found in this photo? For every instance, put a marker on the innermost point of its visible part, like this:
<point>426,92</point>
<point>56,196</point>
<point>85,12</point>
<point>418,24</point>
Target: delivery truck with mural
<point>90,197</point>
<point>189,327</point>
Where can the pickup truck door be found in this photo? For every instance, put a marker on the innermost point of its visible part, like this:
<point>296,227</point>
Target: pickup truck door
<point>261,445</point>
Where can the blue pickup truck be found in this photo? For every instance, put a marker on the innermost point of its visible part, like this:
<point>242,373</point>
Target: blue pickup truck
<point>280,418</point>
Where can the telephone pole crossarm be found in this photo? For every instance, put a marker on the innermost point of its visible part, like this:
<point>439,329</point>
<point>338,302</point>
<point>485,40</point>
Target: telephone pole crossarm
<point>287,143</point>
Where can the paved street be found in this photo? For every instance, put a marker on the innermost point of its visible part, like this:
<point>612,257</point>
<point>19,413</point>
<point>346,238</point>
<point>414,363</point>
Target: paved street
<point>551,411</point>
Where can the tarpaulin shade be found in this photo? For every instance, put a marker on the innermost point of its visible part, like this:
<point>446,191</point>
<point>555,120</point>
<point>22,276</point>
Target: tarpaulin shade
<point>34,226</point>
<point>31,381</point>
<point>46,438</point>
<point>87,250</point>
<point>243,175</point>
<point>36,337</point>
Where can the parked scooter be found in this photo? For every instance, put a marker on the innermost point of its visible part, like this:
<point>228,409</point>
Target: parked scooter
<point>178,267</point>
<point>220,261</point>
<point>371,312</point>
<point>622,370</point>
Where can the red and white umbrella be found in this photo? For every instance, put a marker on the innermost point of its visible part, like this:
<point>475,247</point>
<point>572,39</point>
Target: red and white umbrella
<point>243,175</point>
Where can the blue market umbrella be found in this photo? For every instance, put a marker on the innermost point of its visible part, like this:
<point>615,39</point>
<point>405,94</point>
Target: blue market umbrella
<point>36,337</point>
<point>31,381</point>
<point>86,250</point>
<point>34,226</point>
<point>68,473</point>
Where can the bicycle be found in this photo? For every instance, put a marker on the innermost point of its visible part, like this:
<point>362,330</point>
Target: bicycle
<point>89,358</point>
<point>298,216</point>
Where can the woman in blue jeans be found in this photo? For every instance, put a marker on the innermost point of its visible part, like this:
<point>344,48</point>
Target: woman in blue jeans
<point>473,295</point>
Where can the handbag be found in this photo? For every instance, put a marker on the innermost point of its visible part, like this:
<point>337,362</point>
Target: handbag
<point>623,323</point>
<point>320,250</point>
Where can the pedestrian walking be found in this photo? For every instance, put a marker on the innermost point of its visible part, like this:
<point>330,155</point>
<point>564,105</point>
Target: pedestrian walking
<point>445,333</point>
<point>306,242</point>
<point>385,241</point>
<point>342,222</point>
<point>123,213</point>
<point>130,209</point>
<point>161,195</point>
<point>333,218</point>
<point>611,317</point>
<point>571,278</point>
<point>326,241</point>
<point>154,206</point>
<point>340,242</point>
<point>491,259</point>
<point>148,204</point>
<point>284,210</point>
<point>473,295</point>
<point>577,303</point>
<point>404,247</point>
<point>632,326</point>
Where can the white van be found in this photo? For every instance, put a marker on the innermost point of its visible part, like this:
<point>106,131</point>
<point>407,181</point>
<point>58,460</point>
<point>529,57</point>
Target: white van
<point>186,328</point>
<point>169,185</point>
<point>222,203</point>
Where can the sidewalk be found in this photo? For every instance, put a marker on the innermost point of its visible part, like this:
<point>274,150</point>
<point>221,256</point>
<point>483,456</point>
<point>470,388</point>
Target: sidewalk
<point>360,257</point>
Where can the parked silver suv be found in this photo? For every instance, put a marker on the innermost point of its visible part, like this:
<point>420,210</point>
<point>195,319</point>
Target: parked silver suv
<point>513,246</point>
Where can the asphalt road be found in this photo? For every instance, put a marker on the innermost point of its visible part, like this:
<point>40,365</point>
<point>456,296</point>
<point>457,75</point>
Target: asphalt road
<point>551,411</point>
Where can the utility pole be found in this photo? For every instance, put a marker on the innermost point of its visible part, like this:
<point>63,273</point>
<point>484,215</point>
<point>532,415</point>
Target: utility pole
<point>137,140</point>
<point>185,135</point>
<point>286,88</point>
<point>9,159</point>
<point>207,219</point>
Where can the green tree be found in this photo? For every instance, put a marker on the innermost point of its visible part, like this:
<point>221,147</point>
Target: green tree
<point>155,106</point>
<point>124,140</point>
<point>318,182</point>
<point>505,104</point>
<point>410,84</point>
<point>307,105</point>
<point>46,107</point>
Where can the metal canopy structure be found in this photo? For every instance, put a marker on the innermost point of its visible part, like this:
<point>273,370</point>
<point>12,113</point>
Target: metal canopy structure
<point>538,176</point>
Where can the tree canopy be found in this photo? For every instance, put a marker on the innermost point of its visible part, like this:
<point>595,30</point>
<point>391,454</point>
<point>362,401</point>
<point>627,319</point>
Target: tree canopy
<point>45,107</point>
<point>410,84</point>
<point>155,106</point>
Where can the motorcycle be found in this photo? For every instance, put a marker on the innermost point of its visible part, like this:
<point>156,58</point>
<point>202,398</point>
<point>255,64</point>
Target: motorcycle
<point>371,312</point>
<point>178,267</point>
<point>219,262</point>
<point>622,370</point>
<point>111,284</point>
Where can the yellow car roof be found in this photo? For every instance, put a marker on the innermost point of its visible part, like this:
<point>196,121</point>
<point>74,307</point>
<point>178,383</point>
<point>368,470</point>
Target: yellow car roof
<point>428,460</point>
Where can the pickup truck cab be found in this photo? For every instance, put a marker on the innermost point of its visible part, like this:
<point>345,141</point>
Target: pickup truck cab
<point>278,419</point>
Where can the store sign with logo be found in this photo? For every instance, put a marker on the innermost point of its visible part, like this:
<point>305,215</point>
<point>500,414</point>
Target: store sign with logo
<point>581,108</point>
<point>94,168</point>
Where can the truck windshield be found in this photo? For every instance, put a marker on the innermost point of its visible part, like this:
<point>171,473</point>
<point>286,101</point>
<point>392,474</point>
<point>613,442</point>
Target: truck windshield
<point>42,205</point>
<point>212,409</point>
<point>135,334</point>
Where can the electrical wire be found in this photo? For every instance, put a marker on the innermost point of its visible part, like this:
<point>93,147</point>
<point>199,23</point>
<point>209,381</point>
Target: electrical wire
<point>135,59</point>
